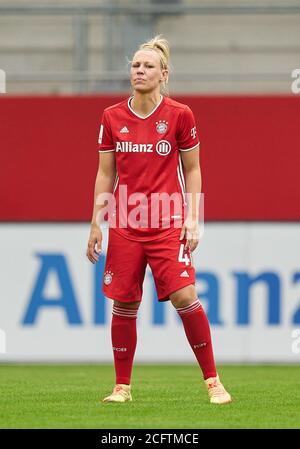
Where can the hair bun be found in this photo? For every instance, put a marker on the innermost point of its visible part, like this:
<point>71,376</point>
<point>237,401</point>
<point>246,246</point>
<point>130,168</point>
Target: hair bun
<point>162,46</point>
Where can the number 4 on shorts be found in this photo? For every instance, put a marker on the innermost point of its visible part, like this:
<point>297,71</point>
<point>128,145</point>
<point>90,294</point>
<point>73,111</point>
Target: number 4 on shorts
<point>183,258</point>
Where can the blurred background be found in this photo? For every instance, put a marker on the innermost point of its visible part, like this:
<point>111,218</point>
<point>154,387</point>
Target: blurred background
<point>235,64</point>
<point>69,47</point>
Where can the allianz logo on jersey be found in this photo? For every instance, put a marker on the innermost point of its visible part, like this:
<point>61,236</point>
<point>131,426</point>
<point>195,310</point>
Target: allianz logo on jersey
<point>163,147</point>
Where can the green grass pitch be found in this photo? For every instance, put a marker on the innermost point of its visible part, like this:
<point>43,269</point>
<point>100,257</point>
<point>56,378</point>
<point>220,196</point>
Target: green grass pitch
<point>164,396</point>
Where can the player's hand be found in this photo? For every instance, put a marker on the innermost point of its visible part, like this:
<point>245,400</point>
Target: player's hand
<point>94,244</point>
<point>190,231</point>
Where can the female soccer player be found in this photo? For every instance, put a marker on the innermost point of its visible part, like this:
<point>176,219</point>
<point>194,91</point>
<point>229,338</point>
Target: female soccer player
<point>148,145</point>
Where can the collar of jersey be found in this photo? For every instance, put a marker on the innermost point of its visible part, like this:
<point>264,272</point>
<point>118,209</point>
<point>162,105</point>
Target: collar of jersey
<point>152,112</point>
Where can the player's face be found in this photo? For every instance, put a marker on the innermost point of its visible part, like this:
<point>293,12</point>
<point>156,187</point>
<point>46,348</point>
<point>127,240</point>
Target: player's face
<point>145,73</point>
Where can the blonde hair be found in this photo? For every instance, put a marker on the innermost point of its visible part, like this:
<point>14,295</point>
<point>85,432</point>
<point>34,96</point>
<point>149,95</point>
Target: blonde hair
<point>162,47</point>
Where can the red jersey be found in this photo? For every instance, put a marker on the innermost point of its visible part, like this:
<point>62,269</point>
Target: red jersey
<point>147,151</point>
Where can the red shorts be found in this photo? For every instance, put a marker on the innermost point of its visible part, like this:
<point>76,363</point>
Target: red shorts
<point>126,262</point>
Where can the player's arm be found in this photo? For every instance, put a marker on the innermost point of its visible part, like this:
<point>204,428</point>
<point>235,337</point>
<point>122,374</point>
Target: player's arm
<point>193,184</point>
<point>104,184</point>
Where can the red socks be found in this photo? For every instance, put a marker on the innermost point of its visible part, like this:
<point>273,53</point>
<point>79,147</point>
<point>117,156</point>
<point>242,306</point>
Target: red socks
<point>123,336</point>
<point>197,330</point>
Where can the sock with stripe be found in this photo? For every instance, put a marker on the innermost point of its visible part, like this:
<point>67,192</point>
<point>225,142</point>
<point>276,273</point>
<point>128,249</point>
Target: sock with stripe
<point>197,330</point>
<point>124,338</point>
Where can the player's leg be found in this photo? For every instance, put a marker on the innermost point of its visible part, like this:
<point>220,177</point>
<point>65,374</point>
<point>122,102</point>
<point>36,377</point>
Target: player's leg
<point>174,277</point>
<point>124,339</point>
<point>196,327</point>
<point>197,330</point>
<point>123,279</point>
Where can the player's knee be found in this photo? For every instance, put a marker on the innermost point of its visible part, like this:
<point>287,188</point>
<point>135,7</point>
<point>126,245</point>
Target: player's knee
<point>183,302</point>
<point>184,297</point>
<point>127,305</point>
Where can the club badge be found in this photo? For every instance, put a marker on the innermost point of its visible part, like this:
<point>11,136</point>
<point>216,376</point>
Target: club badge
<point>161,126</point>
<point>108,277</point>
